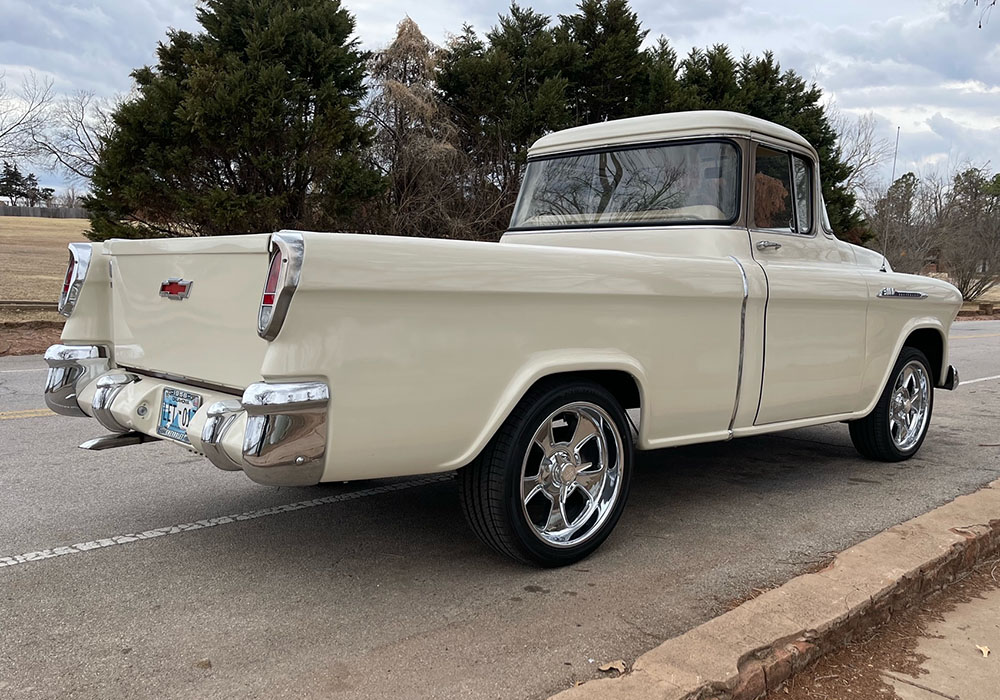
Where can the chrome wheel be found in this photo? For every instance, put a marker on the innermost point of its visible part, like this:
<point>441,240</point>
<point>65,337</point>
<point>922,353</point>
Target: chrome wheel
<point>571,474</point>
<point>909,405</point>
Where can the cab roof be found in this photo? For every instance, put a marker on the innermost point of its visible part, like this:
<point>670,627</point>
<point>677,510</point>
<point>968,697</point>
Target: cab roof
<point>655,127</point>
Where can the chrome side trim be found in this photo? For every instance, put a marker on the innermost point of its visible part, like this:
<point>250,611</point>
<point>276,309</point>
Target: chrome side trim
<point>743,333</point>
<point>951,380</point>
<point>79,253</point>
<point>221,416</point>
<point>108,388</point>
<point>71,367</point>
<point>890,293</point>
<point>291,247</point>
<point>285,438</point>
<point>107,442</point>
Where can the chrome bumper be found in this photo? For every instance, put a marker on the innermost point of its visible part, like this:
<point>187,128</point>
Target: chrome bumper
<point>951,379</point>
<point>284,441</point>
<point>71,367</point>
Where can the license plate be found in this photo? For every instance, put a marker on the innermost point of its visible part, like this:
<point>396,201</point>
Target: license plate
<point>176,411</point>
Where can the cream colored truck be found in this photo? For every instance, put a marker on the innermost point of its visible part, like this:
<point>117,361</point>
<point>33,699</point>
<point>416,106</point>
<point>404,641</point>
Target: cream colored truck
<point>679,265</point>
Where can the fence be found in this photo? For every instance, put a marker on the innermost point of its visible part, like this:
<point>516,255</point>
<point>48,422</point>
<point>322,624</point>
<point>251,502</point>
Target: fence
<point>46,212</point>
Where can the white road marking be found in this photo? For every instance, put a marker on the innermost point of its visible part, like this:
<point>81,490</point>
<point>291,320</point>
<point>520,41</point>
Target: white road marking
<point>93,545</point>
<point>13,371</point>
<point>981,379</point>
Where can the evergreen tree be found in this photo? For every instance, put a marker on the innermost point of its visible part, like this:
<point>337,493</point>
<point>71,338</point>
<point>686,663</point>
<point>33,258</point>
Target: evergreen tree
<point>11,183</point>
<point>602,58</point>
<point>663,92</point>
<point>250,125</point>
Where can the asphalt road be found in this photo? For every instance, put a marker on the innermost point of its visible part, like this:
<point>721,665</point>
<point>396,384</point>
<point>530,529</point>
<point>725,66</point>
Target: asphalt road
<point>381,591</point>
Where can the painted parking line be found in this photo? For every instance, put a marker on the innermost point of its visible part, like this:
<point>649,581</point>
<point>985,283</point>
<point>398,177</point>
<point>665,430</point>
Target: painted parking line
<point>29,413</point>
<point>967,337</point>
<point>963,382</point>
<point>14,371</point>
<point>94,545</point>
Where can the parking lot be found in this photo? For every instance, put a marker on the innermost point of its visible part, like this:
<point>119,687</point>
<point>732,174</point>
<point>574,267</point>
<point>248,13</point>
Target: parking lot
<point>186,581</point>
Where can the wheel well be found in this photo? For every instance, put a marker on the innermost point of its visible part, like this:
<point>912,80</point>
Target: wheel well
<point>929,342</point>
<point>622,385</point>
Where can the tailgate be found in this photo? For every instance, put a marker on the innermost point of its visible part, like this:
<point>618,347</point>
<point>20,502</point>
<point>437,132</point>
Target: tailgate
<point>207,329</point>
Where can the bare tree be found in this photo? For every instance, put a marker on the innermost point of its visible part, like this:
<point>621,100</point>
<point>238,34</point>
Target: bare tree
<point>69,198</point>
<point>21,114</point>
<point>433,188</point>
<point>954,222</point>
<point>986,9</point>
<point>906,220</point>
<point>861,148</point>
<point>970,219</point>
<point>74,128</point>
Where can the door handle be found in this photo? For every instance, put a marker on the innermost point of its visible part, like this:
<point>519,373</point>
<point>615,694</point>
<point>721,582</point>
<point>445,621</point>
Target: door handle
<point>767,245</point>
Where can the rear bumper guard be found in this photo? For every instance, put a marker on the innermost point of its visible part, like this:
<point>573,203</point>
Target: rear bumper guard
<point>284,441</point>
<point>108,388</point>
<point>72,367</point>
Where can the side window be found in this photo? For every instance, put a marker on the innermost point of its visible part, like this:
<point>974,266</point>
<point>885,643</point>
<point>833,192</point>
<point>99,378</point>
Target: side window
<point>802,172</point>
<point>772,191</point>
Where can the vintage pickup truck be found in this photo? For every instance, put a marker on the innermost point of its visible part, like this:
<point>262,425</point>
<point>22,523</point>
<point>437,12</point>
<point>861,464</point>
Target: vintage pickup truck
<point>665,280</point>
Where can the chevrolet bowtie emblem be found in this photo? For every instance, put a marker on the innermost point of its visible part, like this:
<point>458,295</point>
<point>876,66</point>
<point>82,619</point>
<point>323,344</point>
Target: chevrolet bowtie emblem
<point>176,288</point>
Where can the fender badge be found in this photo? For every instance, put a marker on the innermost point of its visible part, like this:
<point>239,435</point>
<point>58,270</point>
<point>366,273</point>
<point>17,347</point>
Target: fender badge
<point>176,288</point>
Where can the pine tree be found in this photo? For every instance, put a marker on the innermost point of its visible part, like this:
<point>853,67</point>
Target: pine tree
<point>250,125</point>
<point>603,60</point>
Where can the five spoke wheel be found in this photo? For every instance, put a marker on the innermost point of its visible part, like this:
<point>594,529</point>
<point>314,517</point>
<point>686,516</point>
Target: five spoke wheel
<point>552,483</point>
<point>909,408</point>
<point>896,427</point>
<point>570,474</point>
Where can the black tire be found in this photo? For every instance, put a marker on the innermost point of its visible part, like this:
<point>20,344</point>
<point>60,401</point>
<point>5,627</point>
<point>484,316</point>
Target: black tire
<point>491,487</point>
<point>873,435</point>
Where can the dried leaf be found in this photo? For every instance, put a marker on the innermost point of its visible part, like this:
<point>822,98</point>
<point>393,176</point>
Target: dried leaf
<point>618,665</point>
<point>985,651</point>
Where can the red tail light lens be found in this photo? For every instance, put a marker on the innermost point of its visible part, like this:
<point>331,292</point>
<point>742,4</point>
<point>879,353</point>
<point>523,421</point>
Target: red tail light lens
<point>283,269</point>
<point>69,276</point>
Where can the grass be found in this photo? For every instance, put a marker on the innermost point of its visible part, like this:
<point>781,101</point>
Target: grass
<point>33,256</point>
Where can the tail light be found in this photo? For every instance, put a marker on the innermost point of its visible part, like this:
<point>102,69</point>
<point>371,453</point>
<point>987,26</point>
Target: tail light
<point>76,273</point>
<point>283,270</point>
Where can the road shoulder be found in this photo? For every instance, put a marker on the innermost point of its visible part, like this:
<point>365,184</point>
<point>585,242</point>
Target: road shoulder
<point>758,646</point>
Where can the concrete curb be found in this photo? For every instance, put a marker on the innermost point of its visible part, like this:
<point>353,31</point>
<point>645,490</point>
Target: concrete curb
<point>742,654</point>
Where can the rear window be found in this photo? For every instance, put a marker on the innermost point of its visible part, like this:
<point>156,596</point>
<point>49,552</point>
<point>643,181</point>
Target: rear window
<point>681,183</point>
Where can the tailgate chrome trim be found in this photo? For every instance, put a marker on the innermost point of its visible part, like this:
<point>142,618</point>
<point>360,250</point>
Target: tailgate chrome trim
<point>188,381</point>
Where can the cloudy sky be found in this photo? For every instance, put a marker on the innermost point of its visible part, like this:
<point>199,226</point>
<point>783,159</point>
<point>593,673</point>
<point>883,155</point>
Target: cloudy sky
<point>922,65</point>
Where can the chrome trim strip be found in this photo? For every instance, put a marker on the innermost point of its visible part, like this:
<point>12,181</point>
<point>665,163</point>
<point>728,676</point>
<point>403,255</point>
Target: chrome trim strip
<point>107,442</point>
<point>221,416</point>
<point>743,332</point>
<point>951,380</point>
<point>181,379</point>
<point>285,437</point>
<point>71,367</point>
<point>891,293</point>
<point>108,388</point>
<point>291,247</point>
<point>79,253</point>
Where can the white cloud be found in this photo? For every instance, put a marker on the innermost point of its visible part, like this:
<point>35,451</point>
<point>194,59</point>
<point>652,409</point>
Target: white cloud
<point>922,65</point>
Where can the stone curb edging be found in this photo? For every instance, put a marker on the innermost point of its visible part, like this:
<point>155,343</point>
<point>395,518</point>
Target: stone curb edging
<point>746,652</point>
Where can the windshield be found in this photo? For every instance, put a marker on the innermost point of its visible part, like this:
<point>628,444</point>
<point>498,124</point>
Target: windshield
<point>668,184</point>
